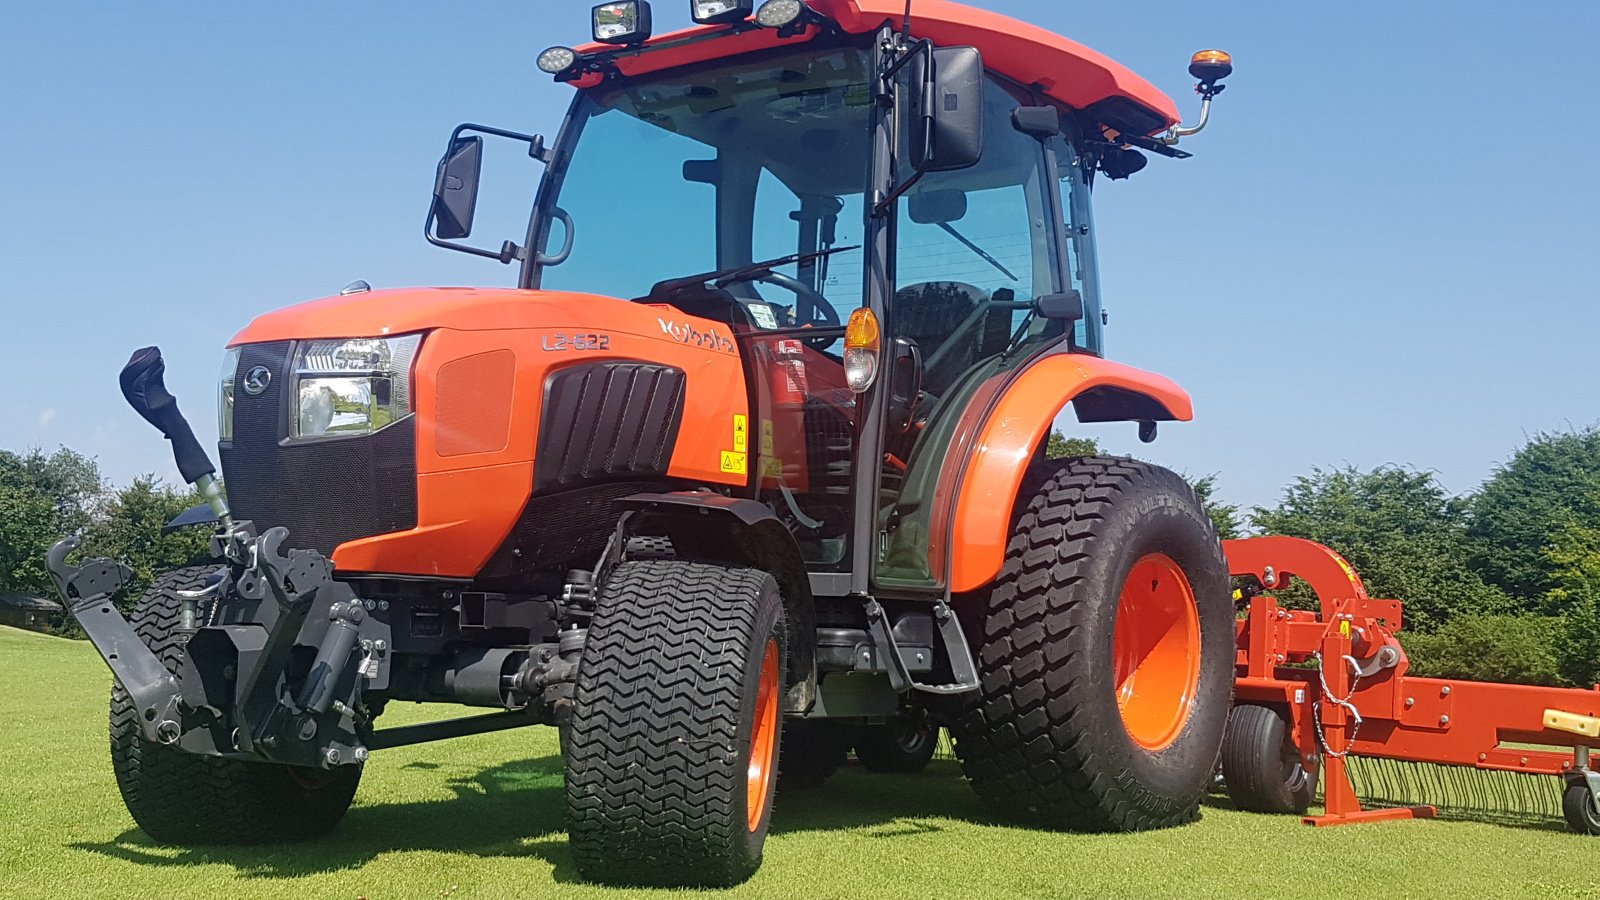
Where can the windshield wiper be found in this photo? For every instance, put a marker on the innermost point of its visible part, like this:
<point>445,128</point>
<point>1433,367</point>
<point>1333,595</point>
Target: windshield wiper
<point>746,272</point>
<point>950,230</point>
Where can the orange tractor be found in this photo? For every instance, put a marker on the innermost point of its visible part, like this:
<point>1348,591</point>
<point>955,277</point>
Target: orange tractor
<point>747,471</point>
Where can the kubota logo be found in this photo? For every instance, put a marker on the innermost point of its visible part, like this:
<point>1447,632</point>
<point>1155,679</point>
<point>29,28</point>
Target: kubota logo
<point>688,334</point>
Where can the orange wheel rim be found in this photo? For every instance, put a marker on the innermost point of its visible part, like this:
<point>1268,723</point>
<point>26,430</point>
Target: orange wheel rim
<point>1156,651</point>
<point>763,739</point>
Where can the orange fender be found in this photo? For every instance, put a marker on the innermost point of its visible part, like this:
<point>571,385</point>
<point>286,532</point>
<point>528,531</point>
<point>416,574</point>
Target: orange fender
<point>1101,391</point>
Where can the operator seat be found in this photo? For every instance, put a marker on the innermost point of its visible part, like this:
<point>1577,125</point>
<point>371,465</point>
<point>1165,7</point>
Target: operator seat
<point>929,313</point>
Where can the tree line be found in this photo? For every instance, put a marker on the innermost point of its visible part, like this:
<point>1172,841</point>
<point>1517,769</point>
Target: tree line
<point>46,496</point>
<point>1501,584</point>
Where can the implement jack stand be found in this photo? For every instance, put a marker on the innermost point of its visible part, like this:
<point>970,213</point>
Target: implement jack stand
<point>1343,807</point>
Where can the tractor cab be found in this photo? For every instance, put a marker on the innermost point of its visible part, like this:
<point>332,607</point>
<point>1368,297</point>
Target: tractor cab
<point>887,225</point>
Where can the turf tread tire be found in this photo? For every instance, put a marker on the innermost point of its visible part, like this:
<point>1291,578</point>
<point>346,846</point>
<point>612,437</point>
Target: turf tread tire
<point>1042,739</point>
<point>660,736</point>
<point>1255,764</point>
<point>185,799</point>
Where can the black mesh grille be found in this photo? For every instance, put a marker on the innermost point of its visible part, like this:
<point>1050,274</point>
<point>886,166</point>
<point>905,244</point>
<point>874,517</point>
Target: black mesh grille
<point>325,492</point>
<point>608,420</point>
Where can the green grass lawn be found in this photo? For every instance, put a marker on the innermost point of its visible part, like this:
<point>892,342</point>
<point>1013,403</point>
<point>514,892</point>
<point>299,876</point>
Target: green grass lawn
<point>481,817</point>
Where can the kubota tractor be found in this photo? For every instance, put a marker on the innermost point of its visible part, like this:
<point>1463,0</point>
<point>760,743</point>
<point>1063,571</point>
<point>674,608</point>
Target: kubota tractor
<point>747,470</point>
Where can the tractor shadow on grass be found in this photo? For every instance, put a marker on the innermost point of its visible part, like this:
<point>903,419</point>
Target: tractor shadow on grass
<point>508,810</point>
<point>515,809</point>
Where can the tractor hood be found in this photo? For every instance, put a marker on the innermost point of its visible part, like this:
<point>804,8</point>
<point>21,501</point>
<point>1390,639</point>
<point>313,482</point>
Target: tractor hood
<point>403,310</point>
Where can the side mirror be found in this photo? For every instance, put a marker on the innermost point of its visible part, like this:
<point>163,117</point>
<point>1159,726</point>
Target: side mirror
<point>951,108</point>
<point>1067,305</point>
<point>937,207</point>
<point>455,188</point>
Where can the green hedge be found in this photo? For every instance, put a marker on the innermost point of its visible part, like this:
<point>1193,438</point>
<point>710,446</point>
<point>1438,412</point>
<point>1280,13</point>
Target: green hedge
<point>1521,649</point>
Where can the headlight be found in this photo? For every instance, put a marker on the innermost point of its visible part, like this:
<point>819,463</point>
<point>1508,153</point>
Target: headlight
<point>230,365</point>
<point>352,387</point>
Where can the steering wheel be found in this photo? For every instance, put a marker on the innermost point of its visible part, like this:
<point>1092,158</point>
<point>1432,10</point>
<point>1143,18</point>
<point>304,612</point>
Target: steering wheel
<point>824,309</point>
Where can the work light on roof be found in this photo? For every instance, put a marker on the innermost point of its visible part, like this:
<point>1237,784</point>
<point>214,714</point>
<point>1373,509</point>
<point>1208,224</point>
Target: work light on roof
<point>622,23</point>
<point>715,12</point>
<point>557,60</point>
<point>779,13</point>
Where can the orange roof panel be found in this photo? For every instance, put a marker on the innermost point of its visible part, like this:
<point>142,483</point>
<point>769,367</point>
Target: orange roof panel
<point>1066,70</point>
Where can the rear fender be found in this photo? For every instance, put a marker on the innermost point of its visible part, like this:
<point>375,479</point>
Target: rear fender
<point>1011,434</point>
<point>707,526</point>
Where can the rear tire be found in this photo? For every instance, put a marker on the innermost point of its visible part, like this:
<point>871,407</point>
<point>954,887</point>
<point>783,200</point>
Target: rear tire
<point>672,755</point>
<point>185,799</point>
<point>1105,652</point>
<point>1261,764</point>
<point>904,746</point>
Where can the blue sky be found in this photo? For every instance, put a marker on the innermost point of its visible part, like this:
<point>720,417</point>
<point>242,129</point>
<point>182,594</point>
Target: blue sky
<point>1383,252</point>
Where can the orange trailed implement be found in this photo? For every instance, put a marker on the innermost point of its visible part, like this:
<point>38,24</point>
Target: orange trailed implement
<point>1356,713</point>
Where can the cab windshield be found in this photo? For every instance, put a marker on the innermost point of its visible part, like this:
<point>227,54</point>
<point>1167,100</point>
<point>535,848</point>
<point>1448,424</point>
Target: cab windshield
<point>712,169</point>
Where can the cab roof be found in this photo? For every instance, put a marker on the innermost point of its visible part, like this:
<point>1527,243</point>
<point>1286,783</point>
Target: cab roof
<point>1065,70</point>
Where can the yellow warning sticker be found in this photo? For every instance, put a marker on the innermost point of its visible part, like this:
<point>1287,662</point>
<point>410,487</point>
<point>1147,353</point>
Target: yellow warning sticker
<point>735,463</point>
<point>766,438</point>
<point>771,467</point>
<point>1344,627</point>
<point>741,434</point>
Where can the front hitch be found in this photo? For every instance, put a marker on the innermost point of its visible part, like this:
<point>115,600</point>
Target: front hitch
<point>87,590</point>
<point>237,691</point>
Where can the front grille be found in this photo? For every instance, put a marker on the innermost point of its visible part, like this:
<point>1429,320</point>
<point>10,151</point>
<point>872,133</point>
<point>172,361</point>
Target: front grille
<point>325,492</point>
<point>606,421</point>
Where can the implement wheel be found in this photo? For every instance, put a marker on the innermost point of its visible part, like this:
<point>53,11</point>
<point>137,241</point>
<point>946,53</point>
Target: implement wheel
<point>1261,764</point>
<point>1105,649</point>
<point>904,746</point>
<point>1577,807</point>
<point>673,751</point>
<point>180,798</point>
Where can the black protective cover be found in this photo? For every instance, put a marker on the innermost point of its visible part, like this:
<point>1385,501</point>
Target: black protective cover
<point>145,391</point>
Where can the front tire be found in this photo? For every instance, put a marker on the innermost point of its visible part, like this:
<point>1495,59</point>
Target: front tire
<point>903,746</point>
<point>184,799</point>
<point>673,751</point>
<point>1105,652</point>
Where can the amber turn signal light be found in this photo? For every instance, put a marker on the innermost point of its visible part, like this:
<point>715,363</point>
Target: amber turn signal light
<point>862,342</point>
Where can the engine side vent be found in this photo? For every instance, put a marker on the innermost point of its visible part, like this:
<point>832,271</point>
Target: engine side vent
<point>606,421</point>
<point>473,412</point>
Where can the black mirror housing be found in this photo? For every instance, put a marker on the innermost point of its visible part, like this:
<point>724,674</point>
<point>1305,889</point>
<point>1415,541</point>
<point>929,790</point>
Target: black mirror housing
<point>455,188</point>
<point>937,207</point>
<point>1066,306</point>
<point>952,110</point>
<point>1038,121</point>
